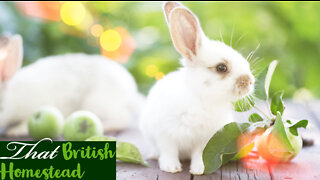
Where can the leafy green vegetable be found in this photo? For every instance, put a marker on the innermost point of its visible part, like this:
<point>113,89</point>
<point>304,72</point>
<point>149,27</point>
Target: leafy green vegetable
<point>293,128</point>
<point>128,152</point>
<point>222,146</point>
<point>277,103</point>
<point>255,117</point>
<point>263,81</point>
<point>280,132</point>
<point>244,151</point>
<point>244,104</point>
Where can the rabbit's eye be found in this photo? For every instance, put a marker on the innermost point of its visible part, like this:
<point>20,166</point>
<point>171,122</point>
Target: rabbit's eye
<point>222,68</point>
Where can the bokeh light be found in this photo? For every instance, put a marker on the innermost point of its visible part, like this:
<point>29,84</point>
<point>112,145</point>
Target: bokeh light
<point>48,10</point>
<point>144,33</point>
<point>86,23</point>
<point>72,13</point>
<point>159,75</point>
<point>96,30</point>
<point>127,46</point>
<point>151,70</point>
<point>110,40</point>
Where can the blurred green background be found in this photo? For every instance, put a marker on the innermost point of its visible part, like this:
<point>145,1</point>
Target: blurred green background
<point>287,31</point>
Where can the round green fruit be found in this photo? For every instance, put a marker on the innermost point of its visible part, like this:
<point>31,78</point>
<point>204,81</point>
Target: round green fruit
<point>47,122</point>
<point>271,148</point>
<point>81,125</point>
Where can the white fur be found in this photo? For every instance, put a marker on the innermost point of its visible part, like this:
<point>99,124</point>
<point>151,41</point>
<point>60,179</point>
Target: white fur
<point>70,82</point>
<point>186,107</point>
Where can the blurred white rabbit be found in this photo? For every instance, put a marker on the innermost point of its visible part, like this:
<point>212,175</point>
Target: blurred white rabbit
<point>186,107</point>
<point>69,82</point>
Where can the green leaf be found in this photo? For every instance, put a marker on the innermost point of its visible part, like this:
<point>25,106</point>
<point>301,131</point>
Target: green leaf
<point>255,117</point>
<point>293,128</point>
<point>280,133</point>
<point>125,151</point>
<point>244,104</point>
<point>222,146</point>
<point>263,81</point>
<point>244,151</point>
<point>128,152</point>
<point>277,103</point>
<point>267,82</point>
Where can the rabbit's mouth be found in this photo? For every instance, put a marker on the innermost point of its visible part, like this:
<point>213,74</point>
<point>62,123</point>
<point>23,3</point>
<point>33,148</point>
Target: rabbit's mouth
<point>243,86</point>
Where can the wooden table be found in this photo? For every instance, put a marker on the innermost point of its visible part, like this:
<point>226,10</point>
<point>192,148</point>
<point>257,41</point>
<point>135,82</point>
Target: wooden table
<point>306,166</point>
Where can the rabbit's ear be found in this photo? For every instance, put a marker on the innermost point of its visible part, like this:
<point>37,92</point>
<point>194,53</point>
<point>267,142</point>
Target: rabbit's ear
<point>168,6</point>
<point>185,32</point>
<point>11,57</point>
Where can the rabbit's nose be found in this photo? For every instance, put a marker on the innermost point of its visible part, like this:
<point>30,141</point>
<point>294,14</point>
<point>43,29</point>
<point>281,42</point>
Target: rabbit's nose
<point>244,81</point>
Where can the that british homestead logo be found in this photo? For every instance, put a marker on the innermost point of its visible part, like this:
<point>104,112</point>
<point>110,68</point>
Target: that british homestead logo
<point>47,159</point>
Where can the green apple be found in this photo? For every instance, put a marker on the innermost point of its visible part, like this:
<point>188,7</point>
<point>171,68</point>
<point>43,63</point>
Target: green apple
<point>47,122</point>
<point>271,149</point>
<point>81,125</point>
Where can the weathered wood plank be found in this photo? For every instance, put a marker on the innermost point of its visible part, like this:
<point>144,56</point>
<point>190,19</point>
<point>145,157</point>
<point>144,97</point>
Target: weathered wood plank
<point>129,171</point>
<point>213,176</point>
<point>244,169</point>
<point>305,166</point>
<point>253,169</point>
<point>135,172</point>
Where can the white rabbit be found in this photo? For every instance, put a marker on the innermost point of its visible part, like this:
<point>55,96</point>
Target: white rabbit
<point>186,107</point>
<point>69,82</point>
